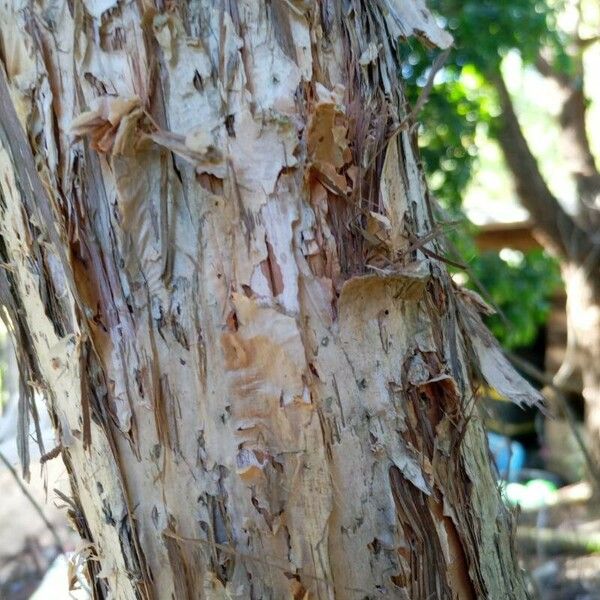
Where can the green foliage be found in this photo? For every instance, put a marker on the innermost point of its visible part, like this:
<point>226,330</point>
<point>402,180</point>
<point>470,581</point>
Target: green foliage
<point>462,103</point>
<point>462,100</point>
<point>456,108</point>
<point>485,30</point>
<point>520,285</point>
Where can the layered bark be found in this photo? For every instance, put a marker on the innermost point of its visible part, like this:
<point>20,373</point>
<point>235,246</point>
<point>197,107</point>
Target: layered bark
<point>218,266</point>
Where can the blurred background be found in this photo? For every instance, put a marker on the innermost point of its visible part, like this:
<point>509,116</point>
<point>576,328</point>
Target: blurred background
<point>511,122</point>
<point>510,140</point>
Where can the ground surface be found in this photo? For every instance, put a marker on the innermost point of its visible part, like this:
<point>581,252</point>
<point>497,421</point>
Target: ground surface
<point>27,548</point>
<point>563,576</point>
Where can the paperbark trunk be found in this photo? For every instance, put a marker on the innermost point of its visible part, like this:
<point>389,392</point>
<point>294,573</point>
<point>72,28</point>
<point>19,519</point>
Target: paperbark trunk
<point>220,267</point>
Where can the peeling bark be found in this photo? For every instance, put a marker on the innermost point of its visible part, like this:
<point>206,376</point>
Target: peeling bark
<point>259,381</point>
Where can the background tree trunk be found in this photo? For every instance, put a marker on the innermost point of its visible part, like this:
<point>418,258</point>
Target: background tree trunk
<point>583,350</point>
<point>227,288</point>
<point>573,239</point>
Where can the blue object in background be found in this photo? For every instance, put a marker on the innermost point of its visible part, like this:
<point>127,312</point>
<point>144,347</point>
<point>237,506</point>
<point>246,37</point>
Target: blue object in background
<point>509,456</point>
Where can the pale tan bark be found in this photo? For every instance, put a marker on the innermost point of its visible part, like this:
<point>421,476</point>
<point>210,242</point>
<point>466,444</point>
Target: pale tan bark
<point>258,374</point>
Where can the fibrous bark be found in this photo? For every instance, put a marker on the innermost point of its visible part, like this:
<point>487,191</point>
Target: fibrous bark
<point>211,216</point>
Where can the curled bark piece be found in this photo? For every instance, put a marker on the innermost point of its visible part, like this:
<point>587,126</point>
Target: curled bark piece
<point>493,364</point>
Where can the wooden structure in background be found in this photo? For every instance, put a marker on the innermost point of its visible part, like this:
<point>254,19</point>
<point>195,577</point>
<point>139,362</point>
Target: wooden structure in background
<point>518,236</point>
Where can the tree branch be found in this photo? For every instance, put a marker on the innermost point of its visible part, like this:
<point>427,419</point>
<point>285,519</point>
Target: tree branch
<point>575,144</point>
<point>587,42</point>
<point>559,231</point>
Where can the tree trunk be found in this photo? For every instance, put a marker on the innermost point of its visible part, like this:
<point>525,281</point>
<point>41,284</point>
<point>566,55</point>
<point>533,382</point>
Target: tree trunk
<point>583,349</point>
<point>574,241</point>
<point>219,264</point>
